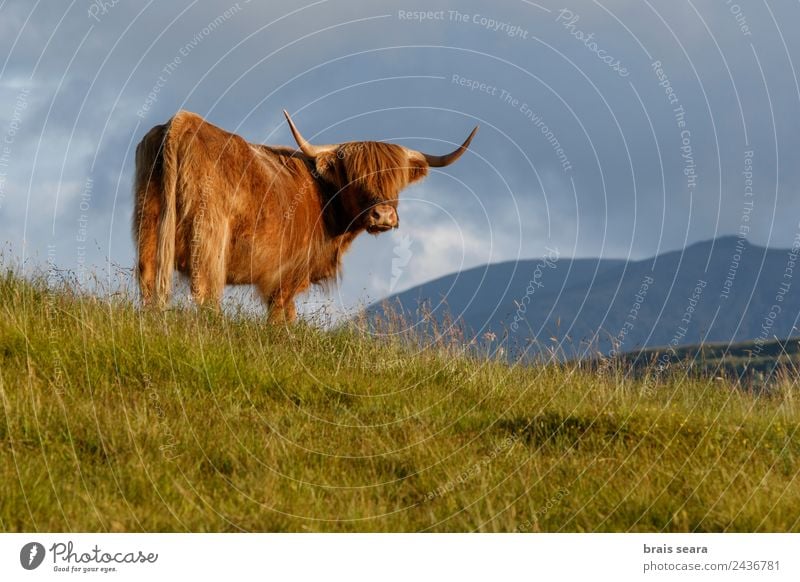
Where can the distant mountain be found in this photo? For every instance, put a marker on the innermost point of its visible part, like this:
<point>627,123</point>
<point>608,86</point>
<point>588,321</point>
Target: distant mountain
<point>723,290</point>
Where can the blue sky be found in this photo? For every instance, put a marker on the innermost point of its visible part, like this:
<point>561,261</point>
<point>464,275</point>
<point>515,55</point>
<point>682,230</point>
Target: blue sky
<point>614,129</point>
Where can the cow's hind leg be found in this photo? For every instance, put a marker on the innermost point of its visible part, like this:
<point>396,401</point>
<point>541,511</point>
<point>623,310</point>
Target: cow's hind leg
<point>208,258</point>
<point>146,216</point>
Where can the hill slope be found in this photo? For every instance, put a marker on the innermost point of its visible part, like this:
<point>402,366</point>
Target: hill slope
<point>716,291</point>
<point>753,365</point>
<point>119,419</point>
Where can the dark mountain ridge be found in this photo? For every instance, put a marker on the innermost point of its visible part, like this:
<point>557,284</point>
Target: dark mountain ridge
<point>722,290</point>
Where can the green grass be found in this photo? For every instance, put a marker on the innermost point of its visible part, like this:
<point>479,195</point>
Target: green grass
<point>115,418</point>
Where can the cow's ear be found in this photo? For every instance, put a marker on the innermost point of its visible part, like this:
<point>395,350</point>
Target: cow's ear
<point>417,169</point>
<point>327,164</point>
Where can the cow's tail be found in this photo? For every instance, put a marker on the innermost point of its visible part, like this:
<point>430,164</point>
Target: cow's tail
<point>165,256</point>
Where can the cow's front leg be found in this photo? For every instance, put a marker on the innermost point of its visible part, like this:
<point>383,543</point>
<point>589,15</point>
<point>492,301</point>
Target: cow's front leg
<point>282,309</point>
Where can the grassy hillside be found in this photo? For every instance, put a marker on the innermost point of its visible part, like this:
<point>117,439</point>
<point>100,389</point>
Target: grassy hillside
<point>118,419</point>
<point>754,365</point>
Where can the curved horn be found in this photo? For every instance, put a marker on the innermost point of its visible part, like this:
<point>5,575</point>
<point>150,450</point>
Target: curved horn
<point>307,148</point>
<point>447,159</point>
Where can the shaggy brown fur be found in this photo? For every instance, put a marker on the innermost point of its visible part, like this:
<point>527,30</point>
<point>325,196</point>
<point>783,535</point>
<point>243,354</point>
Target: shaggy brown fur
<point>224,211</point>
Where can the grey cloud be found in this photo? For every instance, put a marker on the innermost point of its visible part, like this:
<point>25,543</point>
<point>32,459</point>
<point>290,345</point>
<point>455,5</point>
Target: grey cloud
<point>392,78</point>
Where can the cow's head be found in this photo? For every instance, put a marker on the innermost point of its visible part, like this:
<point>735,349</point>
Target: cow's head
<point>369,176</point>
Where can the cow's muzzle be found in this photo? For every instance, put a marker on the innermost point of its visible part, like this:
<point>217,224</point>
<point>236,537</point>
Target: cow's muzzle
<point>382,218</point>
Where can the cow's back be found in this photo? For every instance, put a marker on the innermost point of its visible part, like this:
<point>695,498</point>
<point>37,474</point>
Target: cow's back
<point>265,198</point>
